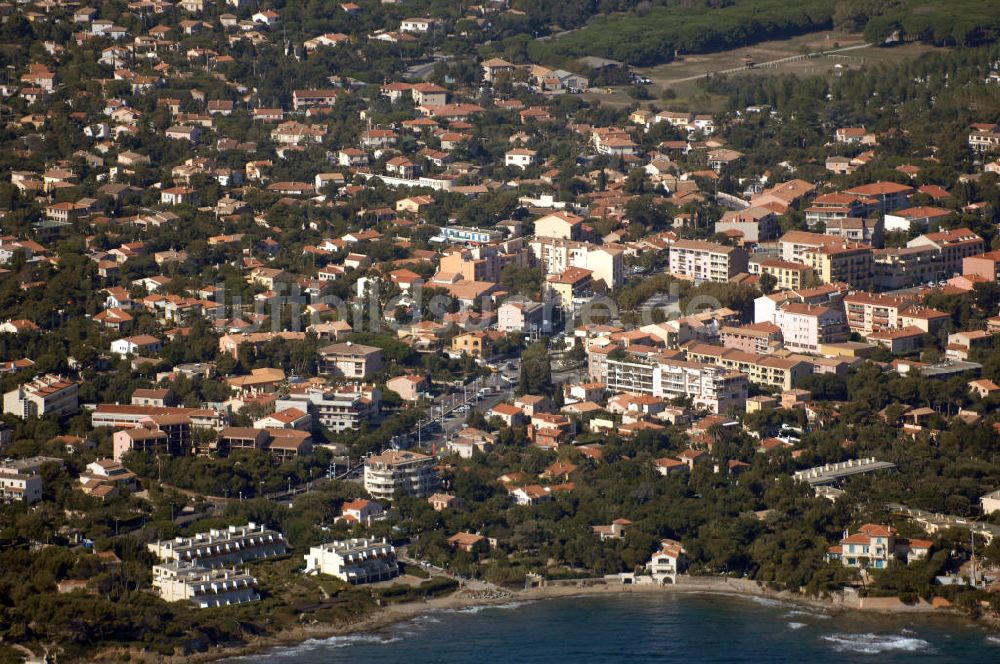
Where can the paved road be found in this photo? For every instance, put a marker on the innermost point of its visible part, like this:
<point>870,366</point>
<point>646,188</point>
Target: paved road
<point>451,410</point>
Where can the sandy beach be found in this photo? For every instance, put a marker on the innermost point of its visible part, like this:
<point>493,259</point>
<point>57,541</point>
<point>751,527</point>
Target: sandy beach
<point>397,613</point>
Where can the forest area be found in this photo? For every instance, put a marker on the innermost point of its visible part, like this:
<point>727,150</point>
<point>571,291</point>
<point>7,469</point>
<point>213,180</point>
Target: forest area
<point>648,34</point>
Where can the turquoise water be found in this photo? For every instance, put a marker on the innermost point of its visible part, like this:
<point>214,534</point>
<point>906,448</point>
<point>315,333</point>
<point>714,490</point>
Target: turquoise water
<point>660,628</point>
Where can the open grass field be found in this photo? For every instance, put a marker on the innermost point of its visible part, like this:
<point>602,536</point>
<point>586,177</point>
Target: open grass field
<point>784,56</point>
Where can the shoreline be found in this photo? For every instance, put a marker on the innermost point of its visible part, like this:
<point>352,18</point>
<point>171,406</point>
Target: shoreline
<point>394,614</point>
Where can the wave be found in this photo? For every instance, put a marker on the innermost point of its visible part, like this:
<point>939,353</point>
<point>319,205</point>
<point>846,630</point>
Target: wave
<point>993,640</point>
<point>484,607</point>
<point>873,644</point>
<point>767,601</point>
<point>344,641</point>
<point>815,613</point>
<point>310,645</point>
<point>796,625</point>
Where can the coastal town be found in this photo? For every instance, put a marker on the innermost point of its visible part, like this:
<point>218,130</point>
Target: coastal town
<point>307,312</point>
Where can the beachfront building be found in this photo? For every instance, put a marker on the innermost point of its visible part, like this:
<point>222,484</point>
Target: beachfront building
<point>870,547</point>
<point>874,546</point>
<point>666,563</point>
<point>220,547</point>
<point>355,560</point>
<point>179,581</point>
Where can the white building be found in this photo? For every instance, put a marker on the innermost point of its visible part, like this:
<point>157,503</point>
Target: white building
<point>711,387</point>
<point>137,345</point>
<point>606,262</point>
<point>20,482</point>
<point>354,560</point>
<point>990,502</point>
<point>418,25</point>
<point>219,547</point>
<point>519,158</point>
<point>42,396</point>
<point>707,261</point>
<point>204,587</point>
<point>666,563</point>
<point>338,409</point>
<point>410,472</point>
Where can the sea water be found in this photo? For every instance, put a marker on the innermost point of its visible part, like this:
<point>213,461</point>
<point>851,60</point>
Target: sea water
<point>652,628</point>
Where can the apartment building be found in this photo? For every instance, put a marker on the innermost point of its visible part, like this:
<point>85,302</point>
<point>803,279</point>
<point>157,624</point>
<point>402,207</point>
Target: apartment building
<point>755,224</point>
<point>868,312</point>
<point>222,546</point>
<point>953,247</point>
<point>707,261</point>
<point>131,416</point>
<point>783,373</point>
<point>339,408</point>
<point>20,479</point>
<point>961,345</point>
<point>349,360</point>
<point>759,338</point>
<point>523,315</point>
<point>843,263</point>
<point>903,267</point>
<point>19,488</point>
<point>205,588</point>
<point>985,265</point>
<point>925,319</point>
<point>465,234</point>
<point>482,263</point>
<point>887,196</point>
<point>573,283</point>
<point>44,395</point>
<point>765,306</point>
<point>898,340</point>
<point>794,244</point>
<point>410,472</point>
<point>984,137</point>
<point>787,275</point>
<point>356,561</point>
<point>804,327</point>
<point>855,229</point>
<point>921,217</point>
<point>303,99</point>
<point>606,262</point>
<point>142,439</point>
<point>714,388</point>
<point>833,207</point>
